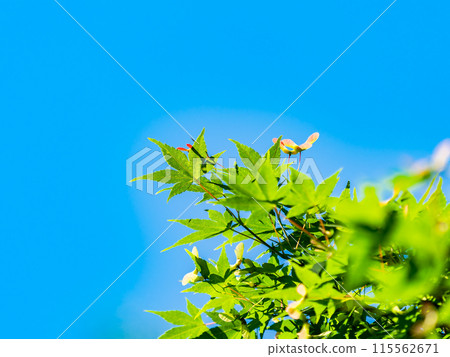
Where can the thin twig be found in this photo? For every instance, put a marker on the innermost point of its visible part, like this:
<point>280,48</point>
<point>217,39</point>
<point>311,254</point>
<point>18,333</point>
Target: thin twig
<point>282,227</point>
<point>324,231</point>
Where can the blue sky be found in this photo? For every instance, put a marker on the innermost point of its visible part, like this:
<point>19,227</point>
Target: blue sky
<point>71,117</point>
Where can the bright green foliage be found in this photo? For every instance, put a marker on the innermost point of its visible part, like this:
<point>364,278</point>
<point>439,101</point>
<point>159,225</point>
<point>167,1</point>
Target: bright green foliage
<point>332,266</point>
<point>189,325</point>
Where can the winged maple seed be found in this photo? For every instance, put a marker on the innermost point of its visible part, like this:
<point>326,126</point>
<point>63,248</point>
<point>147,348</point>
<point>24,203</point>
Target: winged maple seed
<point>291,309</point>
<point>289,147</point>
<point>189,147</point>
<point>193,275</point>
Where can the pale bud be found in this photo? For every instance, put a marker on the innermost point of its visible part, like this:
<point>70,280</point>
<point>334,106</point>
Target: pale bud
<point>441,155</point>
<point>239,251</point>
<point>301,289</point>
<point>292,311</point>
<point>304,332</point>
<point>190,277</point>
